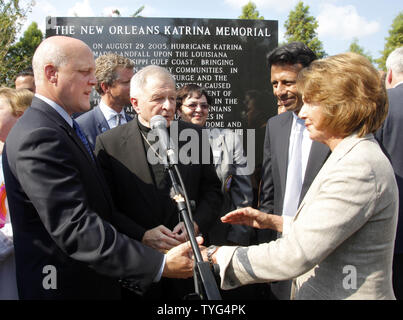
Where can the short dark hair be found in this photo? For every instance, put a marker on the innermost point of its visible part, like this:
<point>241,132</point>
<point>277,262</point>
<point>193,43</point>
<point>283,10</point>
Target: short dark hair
<point>292,53</point>
<point>26,72</point>
<point>188,90</point>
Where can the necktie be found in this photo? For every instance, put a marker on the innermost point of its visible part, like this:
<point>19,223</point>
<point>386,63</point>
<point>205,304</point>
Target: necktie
<point>83,139</point>
<point>118,119</point>
<point>294,174</point>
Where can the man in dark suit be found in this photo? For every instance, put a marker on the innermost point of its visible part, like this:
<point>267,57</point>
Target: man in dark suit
<point>127,155</point>
<point>113,73</point>
<point>389,137</point>
<point>286,133</point>
<point>67,233</point>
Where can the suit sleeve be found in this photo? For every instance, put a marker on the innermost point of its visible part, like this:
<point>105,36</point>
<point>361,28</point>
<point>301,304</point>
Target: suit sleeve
<point>52,181</point>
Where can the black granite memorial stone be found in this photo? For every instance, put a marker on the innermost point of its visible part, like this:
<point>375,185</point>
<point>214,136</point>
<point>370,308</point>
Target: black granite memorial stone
<point>227,57</point>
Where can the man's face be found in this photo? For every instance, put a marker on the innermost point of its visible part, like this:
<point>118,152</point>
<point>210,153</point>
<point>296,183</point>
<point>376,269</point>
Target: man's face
<point>75,80</point>
<point>283,80</point>
<point>158,97</point>
<point>119,91</point>
<point>25,82</point>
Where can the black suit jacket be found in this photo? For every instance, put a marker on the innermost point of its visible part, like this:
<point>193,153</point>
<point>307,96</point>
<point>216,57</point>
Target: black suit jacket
<point>274,168</point>
<point>62,215</point>
<point>390,139</point>
<point>121,154</point>
<point>93,123</point>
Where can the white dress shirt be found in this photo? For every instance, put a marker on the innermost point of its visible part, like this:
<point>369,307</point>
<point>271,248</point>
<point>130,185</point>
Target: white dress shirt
<point>306,149</point>
<point>110,115</point>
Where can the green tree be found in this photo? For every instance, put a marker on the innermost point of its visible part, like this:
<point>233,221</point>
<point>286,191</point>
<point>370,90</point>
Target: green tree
<point>12,17</point>
<point>137,13</point>
<point>249,12</point>
<point>395,40</point>
<point>22,52</point>
<point>134,15</point>
<point>355,47</point>
<point>300,26</point>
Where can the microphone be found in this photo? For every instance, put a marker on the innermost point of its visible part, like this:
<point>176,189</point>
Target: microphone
<point>159,125</point>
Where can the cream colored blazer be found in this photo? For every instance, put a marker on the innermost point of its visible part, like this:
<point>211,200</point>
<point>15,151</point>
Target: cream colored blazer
<point>340,243</point>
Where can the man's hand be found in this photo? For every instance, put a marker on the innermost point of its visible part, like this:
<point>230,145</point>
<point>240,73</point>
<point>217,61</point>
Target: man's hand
<point>180,231</point>
<point>160,238</point>
<point>254,218</point>
<point>179,262</point>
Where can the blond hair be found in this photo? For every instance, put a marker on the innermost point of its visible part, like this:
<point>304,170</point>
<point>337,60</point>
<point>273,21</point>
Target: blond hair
<point>18,99</point>
<point>106,66</point>
<point>349,91</point>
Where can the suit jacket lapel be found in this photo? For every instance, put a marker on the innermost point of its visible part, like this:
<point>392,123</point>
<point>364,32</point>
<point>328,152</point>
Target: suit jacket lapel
<point>283,142</point>
<point>317,156</point>
<point>100,121</point>
<point>132,143</point>
<point>55,117</point>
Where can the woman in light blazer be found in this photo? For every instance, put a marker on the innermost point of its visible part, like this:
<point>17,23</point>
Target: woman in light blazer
<point>340,242</point>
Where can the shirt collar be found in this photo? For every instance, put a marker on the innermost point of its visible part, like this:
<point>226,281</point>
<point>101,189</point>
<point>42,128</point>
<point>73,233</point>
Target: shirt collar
<point>108,112</point>
<point>58,109</point>
<point>398,84</point>
<point>298,120</point>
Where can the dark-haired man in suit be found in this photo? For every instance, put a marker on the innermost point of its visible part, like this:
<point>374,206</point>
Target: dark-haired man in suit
<point>291,159</point>
<point>69,239</point>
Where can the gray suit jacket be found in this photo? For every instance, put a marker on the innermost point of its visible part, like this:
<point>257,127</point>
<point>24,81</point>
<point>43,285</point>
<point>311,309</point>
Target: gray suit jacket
<point>93,123</point>
<point>340,245</point>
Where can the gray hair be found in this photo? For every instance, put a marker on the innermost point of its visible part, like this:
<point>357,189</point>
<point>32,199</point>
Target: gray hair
<point>139,80</point>
<point>395,61</point>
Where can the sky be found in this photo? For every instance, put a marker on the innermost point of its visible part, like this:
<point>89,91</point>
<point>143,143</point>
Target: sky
<point>340,21</point>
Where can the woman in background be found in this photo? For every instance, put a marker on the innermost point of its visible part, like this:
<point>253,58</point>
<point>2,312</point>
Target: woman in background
<point>192,105</point>
<point>13,103</point>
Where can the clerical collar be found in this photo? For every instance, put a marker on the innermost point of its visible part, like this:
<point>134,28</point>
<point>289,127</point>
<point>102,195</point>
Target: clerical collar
<point>142,127</point>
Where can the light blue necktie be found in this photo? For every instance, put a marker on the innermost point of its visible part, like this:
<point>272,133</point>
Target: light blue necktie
<point>83,138</point>
<point>294,173</point>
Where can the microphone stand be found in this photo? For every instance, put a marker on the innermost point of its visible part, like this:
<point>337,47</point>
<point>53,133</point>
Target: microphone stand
<point>203,275</point>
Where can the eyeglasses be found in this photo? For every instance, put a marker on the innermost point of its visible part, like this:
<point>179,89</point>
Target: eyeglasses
<point>193,106</point>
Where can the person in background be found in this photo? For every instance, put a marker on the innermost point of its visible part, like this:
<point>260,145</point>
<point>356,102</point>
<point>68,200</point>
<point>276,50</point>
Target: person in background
<point>113,73</point>
<point>340,242</point>
<point>192,105</point>
<point>25,80</point>
<point>389,137</point>
<point>13,103</point>
<point>257,114</point>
